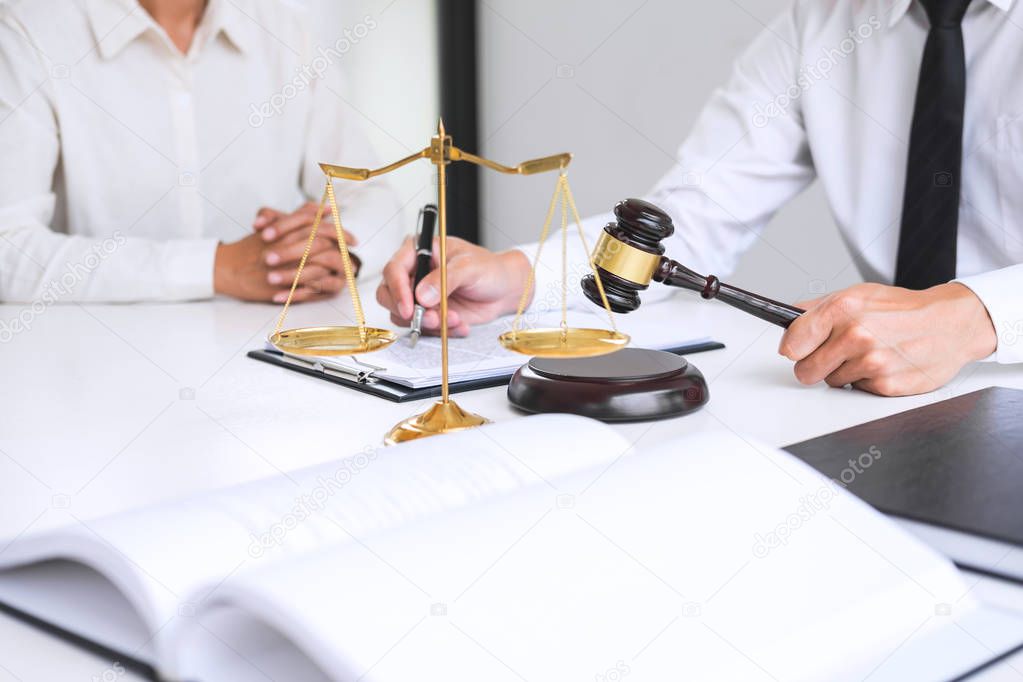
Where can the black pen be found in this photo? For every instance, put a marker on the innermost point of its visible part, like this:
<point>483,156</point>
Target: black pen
<point>424,261</point>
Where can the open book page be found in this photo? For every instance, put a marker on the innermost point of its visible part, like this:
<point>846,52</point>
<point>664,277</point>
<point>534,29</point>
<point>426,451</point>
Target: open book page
<point>480,355</point>
<point>705,558</point>
<point>169,558</point>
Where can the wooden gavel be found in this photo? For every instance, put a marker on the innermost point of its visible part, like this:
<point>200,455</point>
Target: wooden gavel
<point>629,254</point>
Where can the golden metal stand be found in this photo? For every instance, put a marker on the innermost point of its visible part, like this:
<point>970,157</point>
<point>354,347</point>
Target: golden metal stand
<point>446,415</point>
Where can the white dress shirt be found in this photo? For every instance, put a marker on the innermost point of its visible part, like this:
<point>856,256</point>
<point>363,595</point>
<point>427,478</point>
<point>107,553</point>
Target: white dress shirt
<point>126,161</point>
<point>827,91</point>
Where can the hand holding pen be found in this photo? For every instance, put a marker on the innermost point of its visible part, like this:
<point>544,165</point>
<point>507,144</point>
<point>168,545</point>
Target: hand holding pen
<point>482,284</point>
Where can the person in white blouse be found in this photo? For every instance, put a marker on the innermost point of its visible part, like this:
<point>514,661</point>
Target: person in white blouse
<point>829,91</point>
<point>158,150</point>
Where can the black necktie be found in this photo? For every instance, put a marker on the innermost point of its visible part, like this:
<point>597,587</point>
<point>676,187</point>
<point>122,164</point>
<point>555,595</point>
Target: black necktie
<point>930,208</point>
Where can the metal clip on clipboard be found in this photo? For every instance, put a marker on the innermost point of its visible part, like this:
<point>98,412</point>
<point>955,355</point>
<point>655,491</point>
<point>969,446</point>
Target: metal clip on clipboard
<point>362,374</point>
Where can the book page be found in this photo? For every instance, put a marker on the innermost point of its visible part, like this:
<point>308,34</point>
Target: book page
<point>169,558</point>
<point>709,557</point>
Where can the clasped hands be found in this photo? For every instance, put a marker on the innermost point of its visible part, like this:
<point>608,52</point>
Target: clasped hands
<point>882,339</point>
<point>262,266</point>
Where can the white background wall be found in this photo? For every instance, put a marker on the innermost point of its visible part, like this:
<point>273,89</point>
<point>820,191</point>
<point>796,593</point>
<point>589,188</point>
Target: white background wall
<point>633,76</point>
<point>391,81</point>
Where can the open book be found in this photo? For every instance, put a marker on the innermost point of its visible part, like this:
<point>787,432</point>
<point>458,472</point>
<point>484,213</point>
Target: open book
<point>542,548</point>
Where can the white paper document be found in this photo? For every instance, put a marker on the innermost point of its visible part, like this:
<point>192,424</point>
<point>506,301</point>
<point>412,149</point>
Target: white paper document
<point>481,356</point>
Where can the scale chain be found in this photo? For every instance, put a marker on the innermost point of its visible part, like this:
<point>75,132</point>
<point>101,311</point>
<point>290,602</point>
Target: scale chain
<point>586,248</point>
<point>532,271</point>
<point>346,261</point>
<point>327,198</point>
<point>562,184</point>
<point>305,257</point>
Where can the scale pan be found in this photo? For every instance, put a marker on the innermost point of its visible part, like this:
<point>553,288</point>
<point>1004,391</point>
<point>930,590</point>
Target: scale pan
<point>563,343</point>
<point>332,340</point>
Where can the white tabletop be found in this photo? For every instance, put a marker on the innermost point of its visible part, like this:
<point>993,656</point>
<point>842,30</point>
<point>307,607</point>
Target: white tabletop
<point>107,407</point>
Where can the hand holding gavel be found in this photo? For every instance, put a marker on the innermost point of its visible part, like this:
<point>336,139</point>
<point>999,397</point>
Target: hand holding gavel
<point>882,339</point>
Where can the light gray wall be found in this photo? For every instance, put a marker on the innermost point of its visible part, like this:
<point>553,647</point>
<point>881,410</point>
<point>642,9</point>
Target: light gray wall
<point>555,77</point>
<point>391,79</point>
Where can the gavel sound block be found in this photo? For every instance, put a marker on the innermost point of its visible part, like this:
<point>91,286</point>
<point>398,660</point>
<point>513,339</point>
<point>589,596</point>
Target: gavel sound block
<point>632,384</point>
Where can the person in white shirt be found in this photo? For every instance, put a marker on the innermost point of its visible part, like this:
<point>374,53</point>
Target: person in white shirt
<point>156,150</point>
<point>924,184</point>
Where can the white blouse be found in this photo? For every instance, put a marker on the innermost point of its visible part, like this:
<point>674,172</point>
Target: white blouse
<point>125,161</point>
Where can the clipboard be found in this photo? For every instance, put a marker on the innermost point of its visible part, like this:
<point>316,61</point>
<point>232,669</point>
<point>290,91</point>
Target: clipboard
<point>364,381</point>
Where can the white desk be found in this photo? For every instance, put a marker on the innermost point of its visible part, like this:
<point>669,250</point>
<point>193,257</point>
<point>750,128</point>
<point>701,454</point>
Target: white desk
<point>111,407</point>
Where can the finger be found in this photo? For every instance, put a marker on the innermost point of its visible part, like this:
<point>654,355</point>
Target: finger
<point>291,252</point>
<point>301,221</point>
<point>323,239</point>
<point>865,366</point>
<point>811,303</point>
<point>326,233</point>
<point>399,321</point>
<point>264,216</point>
<point>888,386</point>
<point>310,273</point>
<point>329,258</point>
<point>806,333</point>
<point>313,291</point>
<point>397,282</point>
<point>462,272</point>
<point>456,326</point>
<point>847,373</point>
<point>822,362</point>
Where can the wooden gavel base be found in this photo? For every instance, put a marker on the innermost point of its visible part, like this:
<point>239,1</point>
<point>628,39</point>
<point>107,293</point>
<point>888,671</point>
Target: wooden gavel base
<point>633,384</point>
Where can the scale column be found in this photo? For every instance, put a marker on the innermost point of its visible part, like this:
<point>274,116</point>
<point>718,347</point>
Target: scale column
<point>442,218</point>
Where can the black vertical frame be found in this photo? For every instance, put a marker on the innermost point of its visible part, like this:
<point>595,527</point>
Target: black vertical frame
<point>459,108</point>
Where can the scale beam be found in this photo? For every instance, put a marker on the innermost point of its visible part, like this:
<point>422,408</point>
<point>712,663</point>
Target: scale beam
<point>347,173</point>
<point>530,167</point>
<point>447,153</point>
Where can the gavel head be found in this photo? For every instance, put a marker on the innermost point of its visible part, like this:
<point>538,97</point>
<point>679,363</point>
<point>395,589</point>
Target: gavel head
<point>628,254</point>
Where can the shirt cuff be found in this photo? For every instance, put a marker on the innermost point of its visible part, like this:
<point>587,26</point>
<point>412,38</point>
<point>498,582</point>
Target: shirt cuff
<point>187,268</point>
<point>999,291</point>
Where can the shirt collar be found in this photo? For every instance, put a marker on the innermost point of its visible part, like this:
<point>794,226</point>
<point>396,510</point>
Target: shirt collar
<point>116,23</point>
<point>900,7</point>
<point>232,20</point>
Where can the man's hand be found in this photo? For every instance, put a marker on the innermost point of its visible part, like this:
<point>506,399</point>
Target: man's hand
<point>482,285</point>
<point>888,340</point>
<point>262,266</point>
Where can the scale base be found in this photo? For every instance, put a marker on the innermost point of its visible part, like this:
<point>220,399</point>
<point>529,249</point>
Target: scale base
<point>633,384</point>
<point>442,417</point>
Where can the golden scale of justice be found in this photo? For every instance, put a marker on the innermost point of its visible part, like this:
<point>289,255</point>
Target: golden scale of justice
<point>563,342</point>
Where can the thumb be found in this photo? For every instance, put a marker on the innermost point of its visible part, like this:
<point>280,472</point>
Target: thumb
<point>809,303</point>
<point>460,275</point>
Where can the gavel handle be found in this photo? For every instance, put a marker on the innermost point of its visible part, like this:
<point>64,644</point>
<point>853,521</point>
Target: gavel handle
<point>675,274</point>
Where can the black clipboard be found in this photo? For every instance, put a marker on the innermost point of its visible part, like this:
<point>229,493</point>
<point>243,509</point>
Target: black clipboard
<point>367,383</point>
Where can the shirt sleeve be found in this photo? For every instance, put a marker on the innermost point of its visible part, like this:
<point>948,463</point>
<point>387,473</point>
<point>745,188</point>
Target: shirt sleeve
<point>38,264</point>
<point>999,291</point>
<point>370,209</point>
<point>744,159</point>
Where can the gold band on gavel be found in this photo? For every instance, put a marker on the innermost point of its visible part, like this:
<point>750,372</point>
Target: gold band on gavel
<point>624,260</point>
